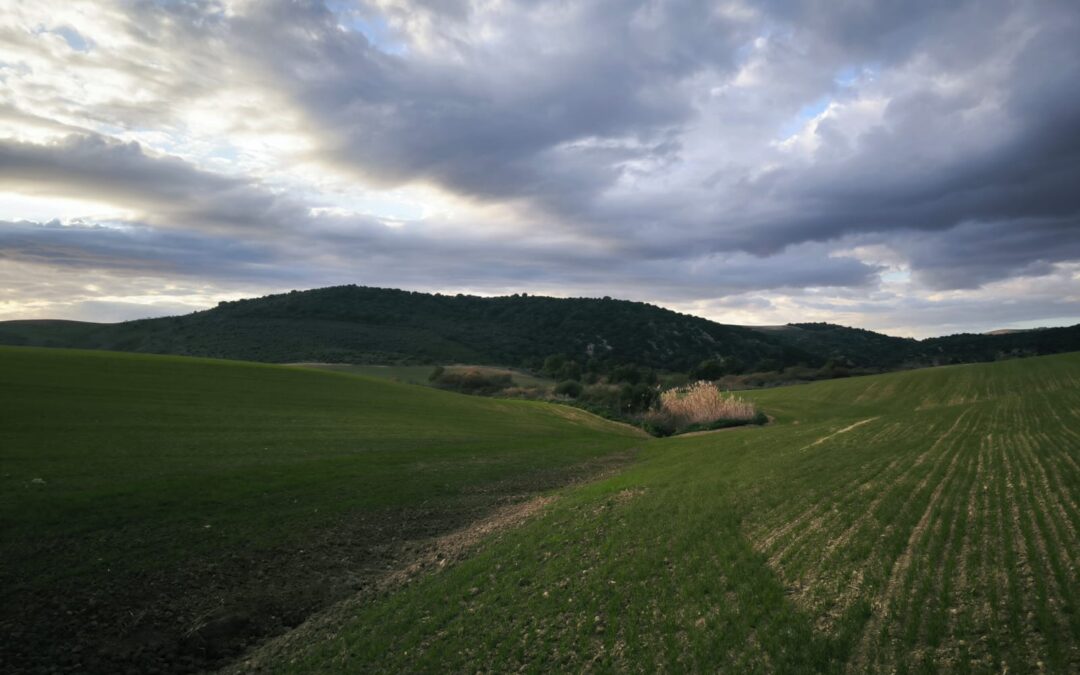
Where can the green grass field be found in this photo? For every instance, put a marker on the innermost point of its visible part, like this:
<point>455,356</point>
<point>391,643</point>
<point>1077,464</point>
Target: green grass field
<point>419,374</point>
<point>173,507</point>
<point>922,521</point>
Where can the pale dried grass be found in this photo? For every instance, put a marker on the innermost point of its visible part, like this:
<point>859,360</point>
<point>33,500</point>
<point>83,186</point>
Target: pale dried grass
<point>703,403</point>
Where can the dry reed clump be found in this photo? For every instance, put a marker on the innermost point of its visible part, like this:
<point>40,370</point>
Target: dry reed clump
<point>701,403</point>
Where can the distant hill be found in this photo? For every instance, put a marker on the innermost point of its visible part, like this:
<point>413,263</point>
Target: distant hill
<point>355,324</point>
<point>854,346</point>
<point>971,348</point>
<point>867,349</point>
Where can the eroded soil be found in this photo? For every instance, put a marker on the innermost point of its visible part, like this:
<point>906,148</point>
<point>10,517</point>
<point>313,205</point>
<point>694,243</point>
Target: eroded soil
<point>208,613</point>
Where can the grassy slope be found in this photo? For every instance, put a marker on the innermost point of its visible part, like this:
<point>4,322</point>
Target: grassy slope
<point>941,532</point>
<point>420,374</point>
<point>158,464</point>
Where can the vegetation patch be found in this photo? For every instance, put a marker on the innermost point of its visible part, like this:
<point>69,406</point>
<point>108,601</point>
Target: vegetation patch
<point>362,325</point>
<point>472,381</point>
<point>700,406</point>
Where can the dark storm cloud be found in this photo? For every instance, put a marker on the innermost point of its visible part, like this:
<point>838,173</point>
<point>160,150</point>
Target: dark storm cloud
<point>499,121</point>
<point>138,249</point>
<point>974,254</point>
<point>561,110</point>
<point>90,166</point>
<point>349,250</point>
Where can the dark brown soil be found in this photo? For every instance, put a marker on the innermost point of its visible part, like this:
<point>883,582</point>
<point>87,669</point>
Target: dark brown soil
<point>210,612</point>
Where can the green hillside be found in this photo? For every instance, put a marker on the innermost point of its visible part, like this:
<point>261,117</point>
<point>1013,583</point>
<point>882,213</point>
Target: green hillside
<point>853,346</point>
<point>359,325</point>
<point>923,521</point>
<point>173,514</point>
<point>867,349</point>
<point>350,324</point>
<point>162,512</point>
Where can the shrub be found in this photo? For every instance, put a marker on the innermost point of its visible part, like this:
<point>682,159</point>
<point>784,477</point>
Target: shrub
<point>530,393</point>
<point>636,397</point>
<point>472,382</point>
<point>625,373</point>
<point>569,370</point>
<point>712,369</point>
<point>553,363</point>
<point>703,405</point>
<point>602,396</point>
<point>570,388</point>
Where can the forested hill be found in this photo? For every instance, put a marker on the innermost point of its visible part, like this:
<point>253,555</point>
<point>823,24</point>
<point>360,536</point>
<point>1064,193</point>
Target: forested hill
<point>866,349</point>
<point>374,325</point>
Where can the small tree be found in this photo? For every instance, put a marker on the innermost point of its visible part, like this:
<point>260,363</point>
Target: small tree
<point>569,388</point>
<point>553,363</point>
<point>569,370</point>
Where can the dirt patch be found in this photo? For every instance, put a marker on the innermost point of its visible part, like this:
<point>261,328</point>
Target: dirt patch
<point>203,614</point>
<point>623,496</point>
<point>837,433</point>
<point>435,555</point>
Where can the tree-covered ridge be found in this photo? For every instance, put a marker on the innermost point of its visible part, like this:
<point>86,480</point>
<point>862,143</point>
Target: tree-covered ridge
<point>854,347</point>
<point>866,349</point>
<point>356,324</point>
<point>359,324</point>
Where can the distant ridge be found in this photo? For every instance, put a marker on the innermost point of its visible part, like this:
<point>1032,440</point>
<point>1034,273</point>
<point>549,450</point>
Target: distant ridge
<point>357,324</point>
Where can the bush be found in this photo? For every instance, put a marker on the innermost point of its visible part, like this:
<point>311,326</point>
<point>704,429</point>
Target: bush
<point>569,388</point>
<point>472,382</point>
<point>553,363</point>
<point>625,373</point>
<point>569,370</point>
<point>700,406</point>
<point>712,369</point>
<point>601,396</point>
<point>636,397</point>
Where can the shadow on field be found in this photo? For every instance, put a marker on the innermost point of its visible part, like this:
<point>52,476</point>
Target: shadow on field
<point>208,613</point>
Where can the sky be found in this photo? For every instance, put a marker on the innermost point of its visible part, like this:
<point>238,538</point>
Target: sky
<point>907,167</point>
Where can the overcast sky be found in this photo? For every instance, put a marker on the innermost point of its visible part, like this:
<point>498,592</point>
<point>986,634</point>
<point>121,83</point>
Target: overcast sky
<point>910,167</point>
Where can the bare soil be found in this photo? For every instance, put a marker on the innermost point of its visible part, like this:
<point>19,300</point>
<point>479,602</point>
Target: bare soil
<point>209,612</point>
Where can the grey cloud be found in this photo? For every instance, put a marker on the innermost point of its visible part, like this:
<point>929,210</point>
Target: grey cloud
<point>178,194</point>
<point>414,258</point>
<point>935,166</point>
<point>498,124</point>
<point>137,249</point>
<point>559,127</point>
<point>619,136</point>
<point>975,254</point>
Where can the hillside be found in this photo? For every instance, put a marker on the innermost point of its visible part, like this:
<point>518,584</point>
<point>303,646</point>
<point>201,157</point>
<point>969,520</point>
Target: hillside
<point>351,324</point>
<point>922,521</point>
<point>866,349</point>
<point>853,346</point>
<point>159,513</point>
<point>371,325</point>
<point>171,514</point>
